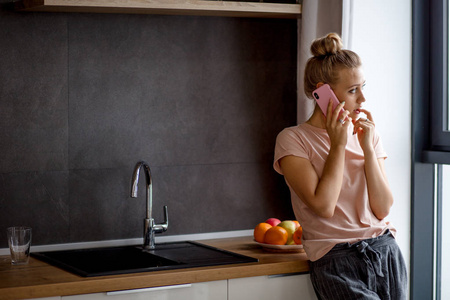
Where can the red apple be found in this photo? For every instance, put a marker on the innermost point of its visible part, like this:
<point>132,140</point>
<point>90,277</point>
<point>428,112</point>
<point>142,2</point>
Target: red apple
<point>273,221</point>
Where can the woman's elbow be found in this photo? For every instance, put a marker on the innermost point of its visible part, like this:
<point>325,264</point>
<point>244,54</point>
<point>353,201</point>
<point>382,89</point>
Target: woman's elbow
<point>321,206</point>
<point>382,212</point>
<point>327,212</point>
<point>381,216</point>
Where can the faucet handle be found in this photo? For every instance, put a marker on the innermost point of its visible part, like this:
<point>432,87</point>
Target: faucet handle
<point>158,228</point>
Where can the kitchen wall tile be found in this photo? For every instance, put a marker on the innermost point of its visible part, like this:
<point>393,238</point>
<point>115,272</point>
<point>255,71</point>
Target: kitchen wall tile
<point>38,200</point>
<point>166,100</point>
<point>220,197</point>
<point>101,207</point>
<point>33,92</point>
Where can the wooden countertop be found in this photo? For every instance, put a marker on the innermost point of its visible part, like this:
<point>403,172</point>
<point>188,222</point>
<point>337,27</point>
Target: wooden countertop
<point>39,279</point>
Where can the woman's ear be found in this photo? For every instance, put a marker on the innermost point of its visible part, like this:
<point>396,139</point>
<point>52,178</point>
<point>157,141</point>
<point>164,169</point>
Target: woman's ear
<point>318,85</point>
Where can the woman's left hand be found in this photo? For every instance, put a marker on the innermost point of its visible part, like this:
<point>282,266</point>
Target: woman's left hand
<point>364,128</point>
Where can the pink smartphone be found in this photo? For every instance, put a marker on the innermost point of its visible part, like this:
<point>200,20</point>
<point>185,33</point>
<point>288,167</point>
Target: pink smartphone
<point>323,95</point>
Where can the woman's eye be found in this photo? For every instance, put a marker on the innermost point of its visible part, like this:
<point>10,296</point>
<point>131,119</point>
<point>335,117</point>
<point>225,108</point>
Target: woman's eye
<point>352,91</point>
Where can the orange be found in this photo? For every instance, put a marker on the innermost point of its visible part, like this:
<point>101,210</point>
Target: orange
<point>297,236</point>
<point>297,224</point>
<point>276,236</point>
<point>260,231</point>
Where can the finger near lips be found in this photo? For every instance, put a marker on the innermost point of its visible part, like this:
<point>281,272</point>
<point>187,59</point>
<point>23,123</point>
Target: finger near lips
<point>363,120</point>
<point>368,114</point>
<point>362,125</point>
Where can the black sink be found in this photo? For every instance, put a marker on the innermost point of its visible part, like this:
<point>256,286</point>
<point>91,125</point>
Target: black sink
<point>133,259</point>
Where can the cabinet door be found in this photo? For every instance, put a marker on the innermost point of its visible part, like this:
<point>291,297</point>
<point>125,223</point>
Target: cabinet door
<point>196,291</point>
<point>286,287</point>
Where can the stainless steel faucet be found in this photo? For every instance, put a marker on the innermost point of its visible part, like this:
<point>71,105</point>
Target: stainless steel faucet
<point>150,228</point>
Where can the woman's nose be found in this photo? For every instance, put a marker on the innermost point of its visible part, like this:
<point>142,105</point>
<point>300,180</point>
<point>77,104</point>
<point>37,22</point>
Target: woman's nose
<point>361,97</point>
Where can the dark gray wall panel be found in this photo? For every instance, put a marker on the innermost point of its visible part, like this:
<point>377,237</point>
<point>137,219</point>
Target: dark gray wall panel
<point>33,93</point>
<point>37,199</point>
<point>83,97</point>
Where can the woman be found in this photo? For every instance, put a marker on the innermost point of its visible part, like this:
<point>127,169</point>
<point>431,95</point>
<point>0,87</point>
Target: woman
<point>334,167</point>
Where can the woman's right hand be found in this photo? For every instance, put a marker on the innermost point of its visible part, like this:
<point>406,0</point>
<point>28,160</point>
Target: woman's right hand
<point>337,124</point>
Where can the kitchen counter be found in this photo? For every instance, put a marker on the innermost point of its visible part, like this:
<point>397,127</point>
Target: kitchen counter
<point>39,279</point>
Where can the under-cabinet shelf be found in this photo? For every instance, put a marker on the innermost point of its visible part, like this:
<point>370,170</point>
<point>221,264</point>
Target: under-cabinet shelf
<point>168,7</point>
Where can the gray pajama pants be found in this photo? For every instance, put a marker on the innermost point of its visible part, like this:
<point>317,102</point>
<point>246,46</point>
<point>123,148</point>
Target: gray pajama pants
<point>369,269</point>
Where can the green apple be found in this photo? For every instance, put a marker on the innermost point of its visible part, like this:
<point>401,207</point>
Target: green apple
<point>290,227</point>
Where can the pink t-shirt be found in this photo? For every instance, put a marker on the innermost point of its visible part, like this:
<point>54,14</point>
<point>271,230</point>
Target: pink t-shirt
<point>353,219</point>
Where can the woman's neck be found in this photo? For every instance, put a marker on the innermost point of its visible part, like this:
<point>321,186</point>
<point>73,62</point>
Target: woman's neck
<point>317,119</point>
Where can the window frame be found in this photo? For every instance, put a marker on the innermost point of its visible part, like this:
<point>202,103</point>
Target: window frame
<point>439,77</point>
<point>430,142</point>
<point>438,148</point>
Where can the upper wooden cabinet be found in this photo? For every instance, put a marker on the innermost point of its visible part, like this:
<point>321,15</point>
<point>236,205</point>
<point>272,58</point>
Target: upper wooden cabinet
<point>168,7</point>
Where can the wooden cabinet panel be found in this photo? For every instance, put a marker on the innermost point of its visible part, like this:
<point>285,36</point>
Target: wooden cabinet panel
<point>174,7</point>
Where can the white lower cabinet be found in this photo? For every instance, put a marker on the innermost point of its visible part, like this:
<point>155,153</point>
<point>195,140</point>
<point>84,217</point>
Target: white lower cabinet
<point>195,291</point>
<point>284,287</point>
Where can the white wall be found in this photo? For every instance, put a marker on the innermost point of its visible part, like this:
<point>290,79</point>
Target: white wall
<point>381,35</point>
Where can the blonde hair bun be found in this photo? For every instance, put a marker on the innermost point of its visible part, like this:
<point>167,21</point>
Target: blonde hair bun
<point>329,57</point>
<point>327,45</point>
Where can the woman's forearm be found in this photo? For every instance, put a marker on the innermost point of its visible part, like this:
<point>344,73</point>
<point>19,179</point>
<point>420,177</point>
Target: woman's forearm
<point>330,183</point>
<point>380,195</point>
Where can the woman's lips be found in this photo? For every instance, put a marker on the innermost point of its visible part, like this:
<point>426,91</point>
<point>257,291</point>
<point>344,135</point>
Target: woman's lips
<point>357,111</point>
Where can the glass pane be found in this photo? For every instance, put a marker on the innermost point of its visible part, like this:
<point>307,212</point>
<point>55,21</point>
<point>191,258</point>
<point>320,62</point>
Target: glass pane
<point>445,230</point>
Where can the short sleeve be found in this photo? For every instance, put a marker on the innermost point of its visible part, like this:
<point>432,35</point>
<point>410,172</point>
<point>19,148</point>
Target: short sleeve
<point>288,142</point>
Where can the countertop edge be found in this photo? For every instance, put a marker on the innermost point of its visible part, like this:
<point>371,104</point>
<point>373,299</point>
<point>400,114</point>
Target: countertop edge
<point>43,280</point>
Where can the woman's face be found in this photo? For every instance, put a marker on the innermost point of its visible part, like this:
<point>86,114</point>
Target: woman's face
<point>349,88</point>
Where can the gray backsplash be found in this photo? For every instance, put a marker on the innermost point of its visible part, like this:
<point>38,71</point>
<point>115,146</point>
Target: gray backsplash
<point>83,97</point>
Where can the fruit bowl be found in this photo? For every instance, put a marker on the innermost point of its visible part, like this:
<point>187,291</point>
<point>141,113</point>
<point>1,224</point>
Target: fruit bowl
<point>281,248</point>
